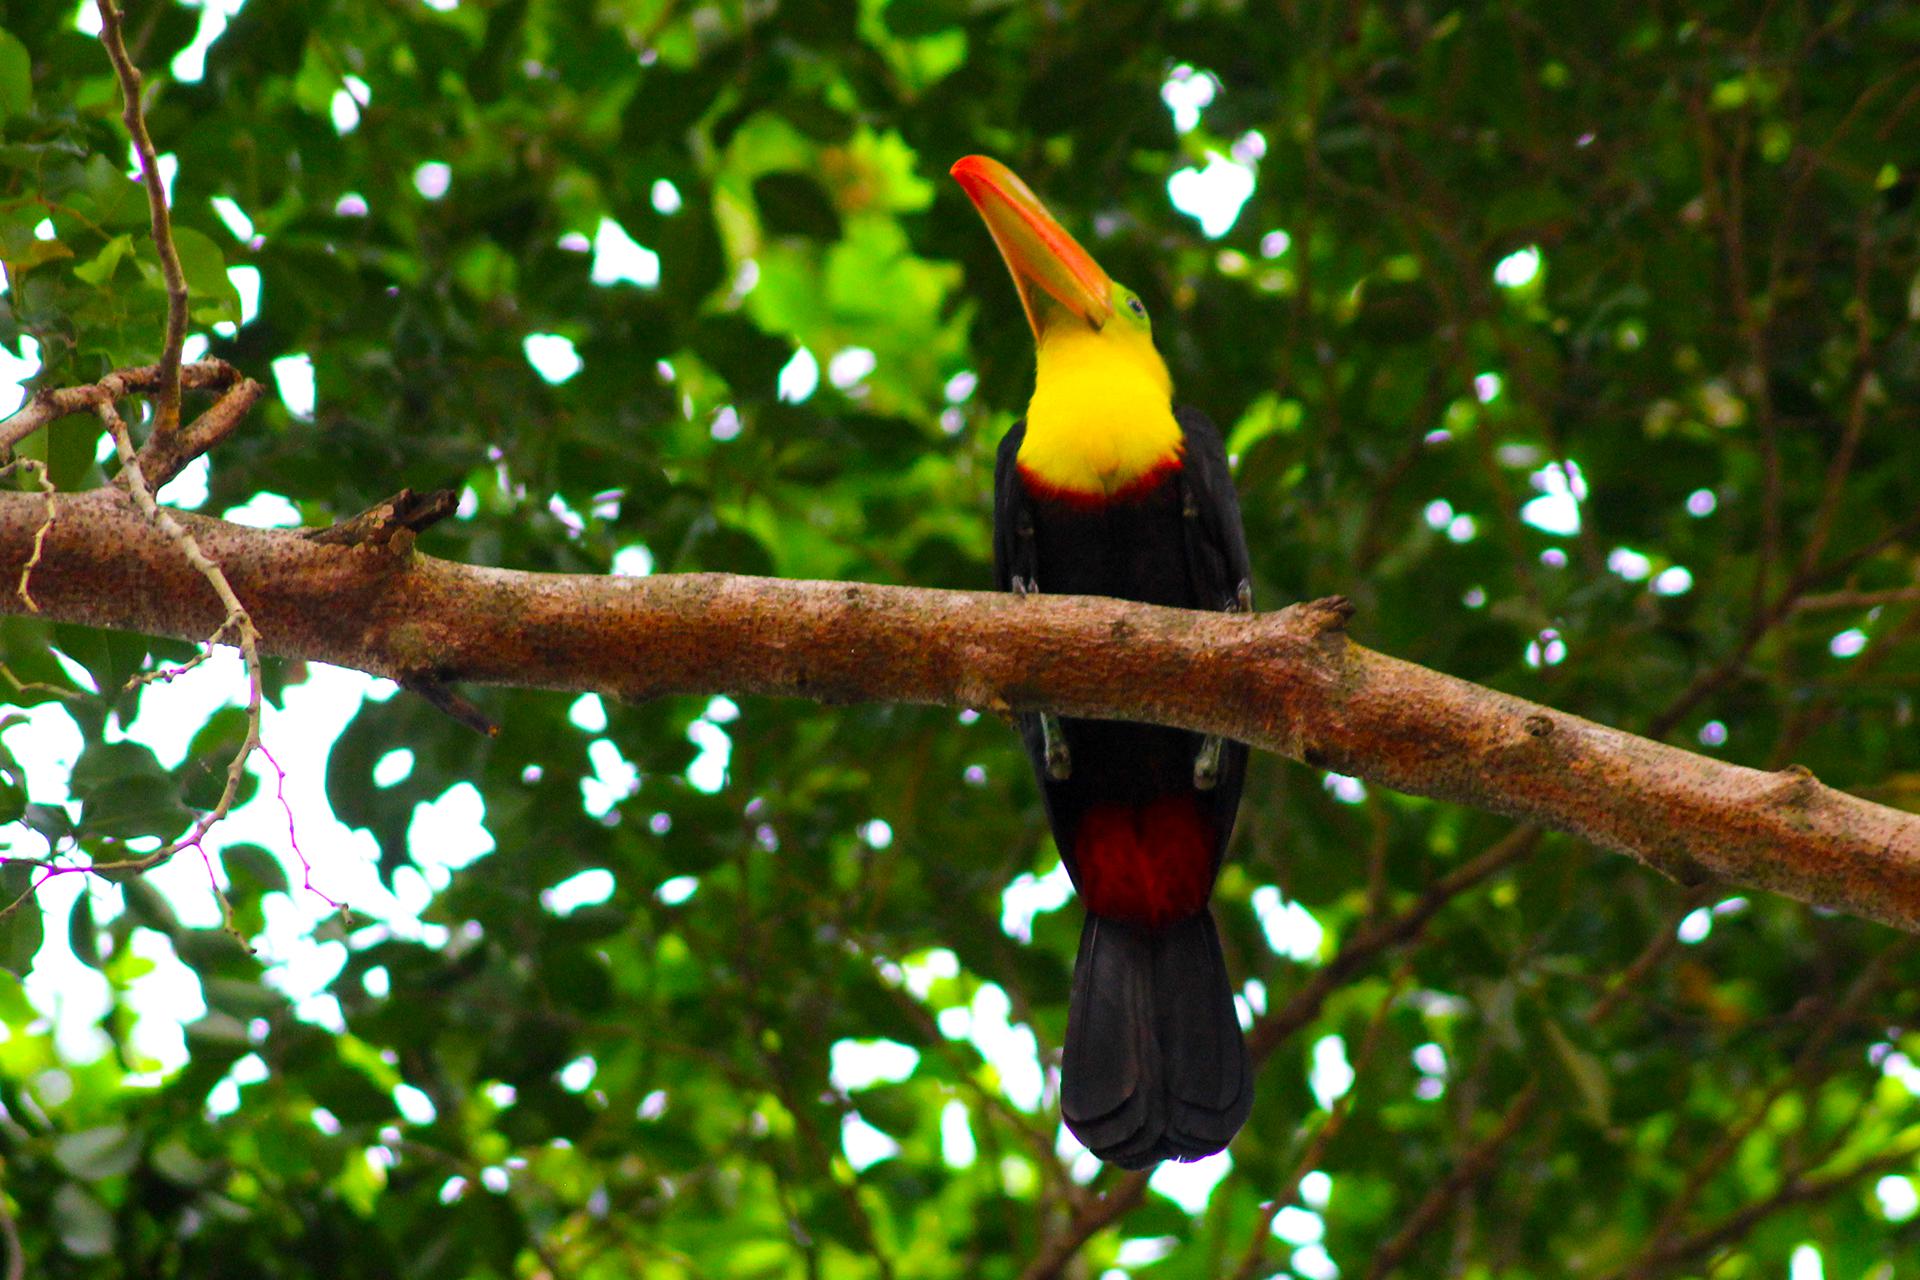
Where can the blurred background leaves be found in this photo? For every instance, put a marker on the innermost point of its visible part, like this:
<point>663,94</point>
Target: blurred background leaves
<point>1577,346</point>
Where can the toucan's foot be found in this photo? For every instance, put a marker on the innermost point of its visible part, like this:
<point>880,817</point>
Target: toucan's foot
<point>1054,742</point>
<point>1206,765</point>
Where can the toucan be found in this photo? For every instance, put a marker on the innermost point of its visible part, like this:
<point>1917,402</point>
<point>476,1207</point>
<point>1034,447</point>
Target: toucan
<point>1108,488</point>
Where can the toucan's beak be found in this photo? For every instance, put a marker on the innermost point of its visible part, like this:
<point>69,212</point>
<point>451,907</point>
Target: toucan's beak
<point>1047,263</point>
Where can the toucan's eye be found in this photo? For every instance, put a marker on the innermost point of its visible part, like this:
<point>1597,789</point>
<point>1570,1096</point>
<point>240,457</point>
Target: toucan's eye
<point>1138,307</point>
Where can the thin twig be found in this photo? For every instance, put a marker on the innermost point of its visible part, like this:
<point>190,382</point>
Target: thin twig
<point>1763,622</point>
<point>1797,1189</point>
<point>1359,950</point>
<point>32,891</point>
<point>1862,600</point>
<point>1316,1149</point>
<point>1628,981</point>
<point>51,404</point>
<point>1093,1215</point>
<point>229,918</point>
<point>1806,1067</point>
<point>38,686</point>
<point>1478,1162</point>
<point>1841,464</point>
<point>1887,640</point>
<point>167,417</point>
<point>164,455</point>
<point>293,837</point>
<point>173,671</point>
<point>1473,1166</point>
<point>38,470</point>
<point>237,621</point>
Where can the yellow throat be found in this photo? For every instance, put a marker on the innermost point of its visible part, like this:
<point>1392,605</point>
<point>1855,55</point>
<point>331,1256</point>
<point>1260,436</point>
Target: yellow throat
<point>1101,418</point>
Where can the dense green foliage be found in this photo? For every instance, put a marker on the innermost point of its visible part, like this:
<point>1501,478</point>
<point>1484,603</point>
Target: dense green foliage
<point>1705,225</point>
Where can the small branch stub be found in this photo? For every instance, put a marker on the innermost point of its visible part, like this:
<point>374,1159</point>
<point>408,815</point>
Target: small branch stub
<point>1331,613</point>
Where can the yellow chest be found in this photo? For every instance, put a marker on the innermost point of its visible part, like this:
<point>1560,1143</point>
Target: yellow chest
<point>1101,418</point>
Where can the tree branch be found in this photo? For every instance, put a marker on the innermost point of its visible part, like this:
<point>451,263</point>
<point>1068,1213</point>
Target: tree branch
<point>1378,936</point>
<point>1862,600</point>
<point>53,403</point>
<point>1473,1166</point>
<point>1094,1214</point>
<point>1289,682</point>
<point>1799,1188</point>
<point>167,416</point>
<point>1255,1258</point>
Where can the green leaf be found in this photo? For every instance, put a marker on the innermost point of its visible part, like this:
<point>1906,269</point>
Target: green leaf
<point>177,1163</point>
<point>253,869</point>
<point>22,932</point>
<point>25,255</point>
<point>125,793</point>
<point>912,18</point>
<point>13,778</point>
<point>49,821</point>
<point>117,200</point>
<point>85,1226</point>
<point>1584,1072</point>
<point>100,268</point>
<point>202,775</point>
<point>745,355</point>
<point>794,204</point>
<point>205,268</point>
<point>103,1152</point>
<point>16,77</point>
<point>82,932</point>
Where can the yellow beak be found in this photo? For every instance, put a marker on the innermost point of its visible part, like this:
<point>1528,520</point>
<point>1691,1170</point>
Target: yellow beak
<point>1046,262</point>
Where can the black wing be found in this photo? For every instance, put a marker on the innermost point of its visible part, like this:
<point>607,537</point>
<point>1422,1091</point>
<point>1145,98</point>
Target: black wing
<point>1013,552</point>
<point>1217,565</point>
<point>1217,558</point>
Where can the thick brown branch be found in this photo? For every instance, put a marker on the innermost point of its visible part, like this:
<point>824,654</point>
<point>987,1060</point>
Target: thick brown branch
<point>1289,682</point>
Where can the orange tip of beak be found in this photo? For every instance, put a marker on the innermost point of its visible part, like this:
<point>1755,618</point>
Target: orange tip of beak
<point>1046,262</point>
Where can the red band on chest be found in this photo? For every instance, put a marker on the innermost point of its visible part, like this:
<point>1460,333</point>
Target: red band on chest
<point>1092,499</point>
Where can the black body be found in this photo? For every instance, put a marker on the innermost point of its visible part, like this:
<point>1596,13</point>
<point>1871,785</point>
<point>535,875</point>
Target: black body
<point>1155,1066</point>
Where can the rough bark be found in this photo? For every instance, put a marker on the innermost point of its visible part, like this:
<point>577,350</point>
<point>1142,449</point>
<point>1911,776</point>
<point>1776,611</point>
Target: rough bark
<point>1290,682</point>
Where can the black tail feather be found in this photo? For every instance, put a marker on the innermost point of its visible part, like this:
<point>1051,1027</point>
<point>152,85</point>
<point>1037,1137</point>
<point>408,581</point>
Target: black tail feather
<point>1155,1066</point>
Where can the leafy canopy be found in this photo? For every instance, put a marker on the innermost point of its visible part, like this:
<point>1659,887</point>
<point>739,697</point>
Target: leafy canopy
<point>1576,344</point>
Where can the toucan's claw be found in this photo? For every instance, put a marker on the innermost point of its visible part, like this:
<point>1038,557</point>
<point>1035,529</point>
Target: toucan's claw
<point>1053,741</point>
<point>1206,765</point>
<point>1054,744</point>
